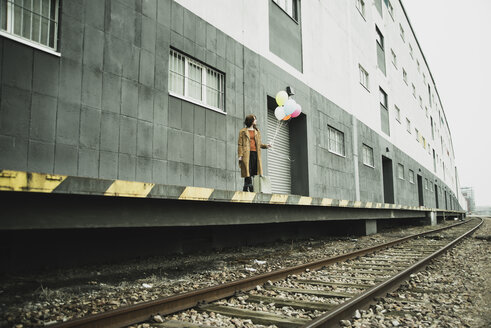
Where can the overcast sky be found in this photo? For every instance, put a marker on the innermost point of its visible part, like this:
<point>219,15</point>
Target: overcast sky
<point>455,37</point>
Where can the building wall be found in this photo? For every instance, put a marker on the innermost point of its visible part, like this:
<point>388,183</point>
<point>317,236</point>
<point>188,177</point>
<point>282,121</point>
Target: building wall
<point>102,108</point>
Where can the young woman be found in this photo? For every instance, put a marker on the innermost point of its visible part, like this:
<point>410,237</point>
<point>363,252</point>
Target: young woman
<point>249,149</point>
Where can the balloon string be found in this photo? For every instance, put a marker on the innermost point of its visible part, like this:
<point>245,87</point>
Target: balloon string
<point>276,132</point>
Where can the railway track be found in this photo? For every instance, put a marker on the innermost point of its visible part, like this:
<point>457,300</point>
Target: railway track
<point>316,294</point>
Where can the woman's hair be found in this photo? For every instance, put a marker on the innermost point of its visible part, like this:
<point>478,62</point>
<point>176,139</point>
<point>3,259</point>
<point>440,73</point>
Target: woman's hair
<point>249,120</point>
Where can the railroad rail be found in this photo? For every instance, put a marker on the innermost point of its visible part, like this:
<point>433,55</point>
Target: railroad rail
<point>339,285</point>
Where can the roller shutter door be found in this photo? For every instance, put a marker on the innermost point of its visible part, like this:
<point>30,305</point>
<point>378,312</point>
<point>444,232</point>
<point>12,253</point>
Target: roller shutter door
<point>279,164</point>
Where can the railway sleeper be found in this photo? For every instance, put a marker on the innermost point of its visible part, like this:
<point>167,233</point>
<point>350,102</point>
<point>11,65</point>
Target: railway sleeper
<point>316,292</point>
<point>278,301</point>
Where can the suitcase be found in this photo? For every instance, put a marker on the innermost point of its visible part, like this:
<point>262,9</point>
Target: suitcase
<point>262,184</point>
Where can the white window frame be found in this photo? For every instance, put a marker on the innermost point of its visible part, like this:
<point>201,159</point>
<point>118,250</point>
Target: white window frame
<point>402,33</point>
<point>414,90</point>
<point>411,176</point>
<point>418,65</point>
<point>368,156</point>
<point>394,58</point>
<point>420,102</point>
<point>287,7</point>
<point>9,33</point>
<point>335,139</point>
<point>398,113</point>
<point>404,75</point>
<point>364,77</point>
<point>411,51</point>
<point>400,171</point>
<point>360,5</point>
<point>390,8</point>
<point>408,125</point>
<point>204,74</point>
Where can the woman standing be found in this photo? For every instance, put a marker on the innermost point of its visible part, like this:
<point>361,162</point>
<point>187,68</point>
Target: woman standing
<point>249,149</point>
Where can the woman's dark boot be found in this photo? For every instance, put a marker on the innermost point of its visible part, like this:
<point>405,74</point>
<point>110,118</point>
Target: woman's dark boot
<point>251,188</point>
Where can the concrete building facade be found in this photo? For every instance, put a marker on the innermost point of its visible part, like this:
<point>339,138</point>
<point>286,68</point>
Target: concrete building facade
<point>102,101</point>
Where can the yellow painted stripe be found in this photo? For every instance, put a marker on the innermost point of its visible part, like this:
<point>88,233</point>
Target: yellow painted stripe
<point>305,200</point>
<point>278,199</point>
<point>387,205</point>
<point>243,197</point>
<point>357,204</point>
<point>368,205</point>
<point>378,205</point>
<point>343,203</point>
<point>326,202</point>
<point>129,188</point>
<point>196,193</point>
<point>35,182</point>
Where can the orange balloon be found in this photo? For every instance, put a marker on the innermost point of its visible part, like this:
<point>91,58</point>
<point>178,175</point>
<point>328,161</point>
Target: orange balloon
<point>286,118</point>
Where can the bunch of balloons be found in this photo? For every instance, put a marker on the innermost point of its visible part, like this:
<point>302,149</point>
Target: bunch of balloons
<point>287,107</point>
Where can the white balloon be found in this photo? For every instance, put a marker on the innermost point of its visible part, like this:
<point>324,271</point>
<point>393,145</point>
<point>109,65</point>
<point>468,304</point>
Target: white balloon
<point>279,112</point>
<point>290,106</point>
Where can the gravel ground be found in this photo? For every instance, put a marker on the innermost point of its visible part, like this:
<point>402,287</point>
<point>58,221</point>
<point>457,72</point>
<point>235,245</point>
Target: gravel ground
<point>454,291</point>
<point>38,300</point>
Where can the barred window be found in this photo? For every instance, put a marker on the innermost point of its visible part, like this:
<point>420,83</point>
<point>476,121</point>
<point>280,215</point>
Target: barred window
<point>368,155</point>
<point>404,75</point>
<point>402,33</point>
<point>411,176</point>
<point>363,77</point>
<point>195,81</point>
<point>400,171</point>
<point>30,20</point>
<point>408,125</point>
<point>398,113</point>
<point>289,6</point>
<point>360,4</point>
<point>336,141</point>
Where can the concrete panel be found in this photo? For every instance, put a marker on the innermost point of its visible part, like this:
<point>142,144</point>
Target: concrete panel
<point>199,120</point>
<point>93,47</point>
<point>111,93</point>
<point>160,108</point>
<point>211,123</point>
<point>187,174</point>
<point>90,128</point>
<point>163,41</point>
<point>187,120</point>
<point>114,50</point>
<point>109,131</point>
<point>211,37</point>
<point>187,148</point>
<point>94,14</point>
<point>131,63</point>
<point>70,81</point>
<point>41,157</point>
<point>231,156</point>
<point>200,53</point>
<point>174,145</point>
<point>211,152</point>
<point>173,173</point>
<point>108,165</point>
<point>161,72</point>
<point>176,40</point>
<point>68,123</point>
<point>239,55</point>
<point>164,12</point>
<point>137,41</point>
<point>92,88</point>
<point>221,44</point>
<point>66,159</point>
<point>159,141</point>
<point>148,34</point>
<point>177,18</point>
<point>199,176</point>
<point>149,8</point>
<point>230,49</point>
<point>210,177</point>
<point>14,153</point>
<point>199,150</point>
<point>222,179</point>
<point>159,171</point>
<point>145,103</point>
<point>129,98</point>
<point>189,25</point>
<point>46,74</point>
<point>221,124</point>
<point>14,112</point>
<point>175,113</point>
<point>200,32</point>
<point>43,118</point>
<point>127,139</point>
<point>189,48</point>
<point>145,140</point>
<point>127,167</point>
<point>221,157</point>
<point>144,169</point>
<point>147,68</point>
<point>16,57</point>
<point>74,9</point>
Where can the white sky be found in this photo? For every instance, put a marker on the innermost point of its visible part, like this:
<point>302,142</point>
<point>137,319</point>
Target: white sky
<point>455,37</point>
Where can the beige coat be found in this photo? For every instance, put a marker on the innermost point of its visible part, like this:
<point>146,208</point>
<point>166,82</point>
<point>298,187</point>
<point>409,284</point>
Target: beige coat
<point>244,148</point>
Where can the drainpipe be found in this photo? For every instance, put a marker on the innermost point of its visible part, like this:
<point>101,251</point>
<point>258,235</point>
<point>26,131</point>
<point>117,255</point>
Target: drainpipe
<point>354,121</point>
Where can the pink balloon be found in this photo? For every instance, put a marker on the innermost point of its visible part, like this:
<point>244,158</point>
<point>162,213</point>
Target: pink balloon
<point>297,111</point>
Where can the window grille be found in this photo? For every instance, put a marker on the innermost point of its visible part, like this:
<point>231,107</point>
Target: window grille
<point>289,6</point>
<point>363,77</point>
<point>368,155</point>
<point>400,171</point>
<point>411,176</point>
<point>336,141</point>
<point>195,81</point>
<point>32,20</point>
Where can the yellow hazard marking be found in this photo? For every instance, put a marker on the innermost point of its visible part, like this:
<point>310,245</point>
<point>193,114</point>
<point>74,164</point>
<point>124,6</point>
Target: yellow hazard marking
<point>25,181</point>
<point>387,205</point>
<point>357,204</point>
<point>278,199</point>
<point>196,193</point>
<point>305,200</point>
<point>368,205</point>
<point>343,203</point>
<point>378,205</point>
<point>243,197</point>
<point>326,201</point>
<point>129,188</point>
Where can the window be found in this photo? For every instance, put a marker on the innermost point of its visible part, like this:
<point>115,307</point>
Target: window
<point>363,77</point>
<point>390,9</point>
<point>394,58</point>
<point>398,113</point>
<point>420,102</point>
<point>289,6</point>
<point>416,132</point>
<point>408,125</point>
<point>384,112</point>
<point>424,78</point>
<point>32,21</point>
<point>414,90</point>
<point>411,51</point>
<point>195,81</point>
<point>380,50</point>
<point>411,176</point>
<point>368,155</point>
<point>404,75</point>
<point>360,4</point>
<point>400,171</point>
<point>336,141</point>
<point>380,38</point>
<point>401,29</point>
<point>426,184</point>
<point>419,66</point>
